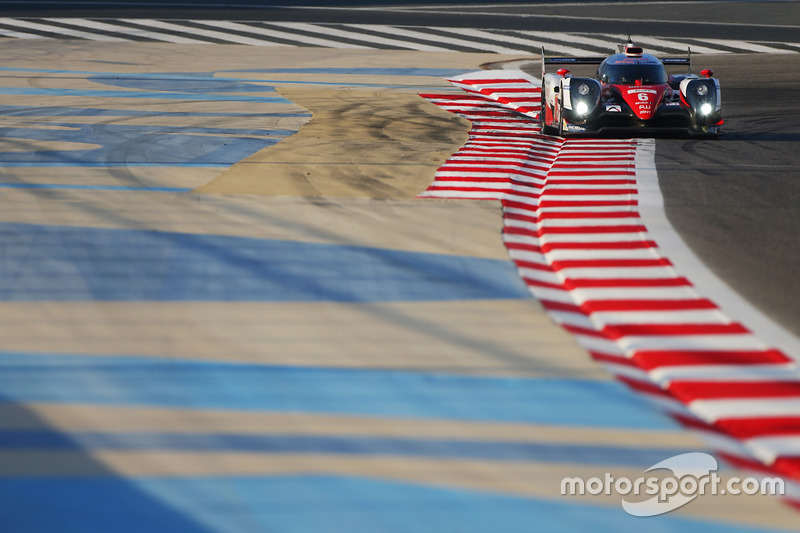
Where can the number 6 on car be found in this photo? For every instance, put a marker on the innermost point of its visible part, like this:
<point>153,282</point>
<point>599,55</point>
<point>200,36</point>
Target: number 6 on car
<point>632,93</point>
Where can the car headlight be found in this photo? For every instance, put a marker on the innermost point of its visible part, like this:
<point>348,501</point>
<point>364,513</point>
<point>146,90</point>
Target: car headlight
<point>702,95</point>
<point>584,96</point>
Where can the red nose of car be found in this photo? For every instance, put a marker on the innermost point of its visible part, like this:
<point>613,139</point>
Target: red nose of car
<point>642,99</point>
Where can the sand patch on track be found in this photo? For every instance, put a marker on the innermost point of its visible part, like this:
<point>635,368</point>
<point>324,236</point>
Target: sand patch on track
<point>373,144</point>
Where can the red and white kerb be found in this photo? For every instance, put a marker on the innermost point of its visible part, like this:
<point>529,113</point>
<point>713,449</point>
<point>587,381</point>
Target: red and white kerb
<point>572,227</point>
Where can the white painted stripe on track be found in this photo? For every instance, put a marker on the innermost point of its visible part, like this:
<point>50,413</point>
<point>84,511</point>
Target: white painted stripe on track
<point>562,43</point>
<point>586,209</point>
<point>505,160</point>
<point>218,35</point>
<point>594,344</point>
<point>467,195</point>
<point>233,26</point>
<point>764,373</point>
<point>62,31</point>
<point>504,171</point>
<point>712,410</point>
<point>646,40</point>
<point>572,319</point>
<point>726,444</point>
<point>486,186</point>
<point>630,372</point>
<point>588,239</point>
<point>690,342</point>
<point>620,273</point>
<point>414,34</point>
<point>774,446</point>
<point>405,32</point>
<point>274,34</point>
<point>750,47</point>
<point>511,74</point>
<point>565,255</point>
<point>599,20</point>
<point>469,32</point>
<point>105,26</point>
<point>11,34</point>
<point>577,182</point>
<point>571,38</point>
<point>367,38</point>
<point>620,199</point>
<point>602,217</point>
<point>659,317</point>
<point>590,294</point>
<point>557,295</point>
<point>589,218</point>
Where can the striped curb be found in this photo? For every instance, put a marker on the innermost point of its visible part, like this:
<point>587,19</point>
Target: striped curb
<point>571,225</point>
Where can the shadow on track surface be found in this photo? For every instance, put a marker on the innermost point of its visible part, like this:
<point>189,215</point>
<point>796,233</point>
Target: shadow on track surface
<point>48,482</point>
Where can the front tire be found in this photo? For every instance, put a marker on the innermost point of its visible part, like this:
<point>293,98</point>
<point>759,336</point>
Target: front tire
<point>544,128</point>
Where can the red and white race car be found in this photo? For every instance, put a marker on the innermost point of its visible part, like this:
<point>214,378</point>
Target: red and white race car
<point>631,92</point>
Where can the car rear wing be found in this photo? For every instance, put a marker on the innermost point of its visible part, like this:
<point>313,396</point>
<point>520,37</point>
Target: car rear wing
<point>568,61</point>
<point>679,60</point>
<point>597,60</point>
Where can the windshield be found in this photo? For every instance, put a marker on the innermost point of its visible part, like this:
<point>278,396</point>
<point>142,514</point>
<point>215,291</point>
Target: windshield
<point>627,74</point>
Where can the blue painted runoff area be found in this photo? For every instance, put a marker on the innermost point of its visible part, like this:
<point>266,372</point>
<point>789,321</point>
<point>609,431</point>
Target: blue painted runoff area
<point>96,93</point>
<point>41,263</point>
<point>208,83</point>
<point>184,82</point>
<point>145,381</point>
<point>374,71</point>
<point>159,145</point>
<point>153,145</point>
<point>143,145</point>
<point>308,504</point>
<point>61,111</point>
<point>99,164</point>
<point>350,445</point>
<point>369,71</point>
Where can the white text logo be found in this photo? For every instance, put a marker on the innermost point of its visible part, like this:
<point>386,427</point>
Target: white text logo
<point>693,474</point>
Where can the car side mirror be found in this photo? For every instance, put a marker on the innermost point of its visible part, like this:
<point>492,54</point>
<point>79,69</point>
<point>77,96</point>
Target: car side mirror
<point>707,73</point>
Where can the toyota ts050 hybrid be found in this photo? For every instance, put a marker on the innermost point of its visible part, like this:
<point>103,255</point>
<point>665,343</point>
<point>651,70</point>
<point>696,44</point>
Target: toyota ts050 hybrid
<point>631,92</point>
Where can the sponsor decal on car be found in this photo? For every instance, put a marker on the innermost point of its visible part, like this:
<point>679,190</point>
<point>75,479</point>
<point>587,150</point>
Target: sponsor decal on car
<point>575,128</point>
<point>613,108</point>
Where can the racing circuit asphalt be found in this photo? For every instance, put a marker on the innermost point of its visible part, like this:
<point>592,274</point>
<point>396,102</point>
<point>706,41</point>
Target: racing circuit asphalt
<point>735,200</point>
<point>755,20</point>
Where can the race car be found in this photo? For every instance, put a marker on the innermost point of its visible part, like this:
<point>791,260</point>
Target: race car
<point>631,93</point>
